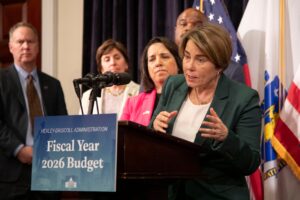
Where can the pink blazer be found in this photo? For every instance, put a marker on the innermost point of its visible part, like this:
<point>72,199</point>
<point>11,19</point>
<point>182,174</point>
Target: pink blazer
<point>139,108</point>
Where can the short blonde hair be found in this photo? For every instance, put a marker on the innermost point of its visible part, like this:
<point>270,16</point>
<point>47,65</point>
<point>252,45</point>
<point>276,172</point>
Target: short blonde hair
<point>213,40</point>
<point>22,24</point>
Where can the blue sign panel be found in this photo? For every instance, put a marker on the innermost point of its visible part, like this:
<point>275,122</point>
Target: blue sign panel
<point>75,153</point>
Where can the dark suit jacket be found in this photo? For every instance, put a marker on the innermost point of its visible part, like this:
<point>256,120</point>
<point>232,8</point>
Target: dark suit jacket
<point>224,163</point>
<point>14,120</point>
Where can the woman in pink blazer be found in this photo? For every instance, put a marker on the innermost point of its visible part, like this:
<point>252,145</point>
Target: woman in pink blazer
<point>160,59</point>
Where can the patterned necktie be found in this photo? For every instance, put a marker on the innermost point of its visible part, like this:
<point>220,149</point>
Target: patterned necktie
<point>34,103</point>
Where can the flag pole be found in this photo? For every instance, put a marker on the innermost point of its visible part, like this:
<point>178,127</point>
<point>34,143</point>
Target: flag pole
<point>201,6</point>
<point>282,53</point>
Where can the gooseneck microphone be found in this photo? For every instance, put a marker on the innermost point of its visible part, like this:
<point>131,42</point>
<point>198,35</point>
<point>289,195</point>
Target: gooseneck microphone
<point>98,82</point>
<point>87,79</point>
<point>107,79</point>
<point>113,78</point>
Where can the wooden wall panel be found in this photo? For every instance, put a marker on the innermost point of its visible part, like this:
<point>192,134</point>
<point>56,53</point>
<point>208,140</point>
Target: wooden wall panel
<point>11,12</point>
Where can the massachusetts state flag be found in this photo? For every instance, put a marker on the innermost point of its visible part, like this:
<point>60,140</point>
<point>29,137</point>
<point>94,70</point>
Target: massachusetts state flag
<point>269,32</point>
<point>215,12</point>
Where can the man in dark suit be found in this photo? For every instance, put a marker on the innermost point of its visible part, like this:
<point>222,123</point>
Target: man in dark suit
<point>16,131</point>
<point>190,18</point>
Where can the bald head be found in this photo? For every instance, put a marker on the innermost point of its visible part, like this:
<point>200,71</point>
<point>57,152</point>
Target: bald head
<point>187,20</point>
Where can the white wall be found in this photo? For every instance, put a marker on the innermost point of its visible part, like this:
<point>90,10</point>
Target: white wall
<point>62,34</point>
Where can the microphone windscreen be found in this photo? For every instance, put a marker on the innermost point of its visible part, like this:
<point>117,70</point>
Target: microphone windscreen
<point>121,78</point>
<point>89,75</point>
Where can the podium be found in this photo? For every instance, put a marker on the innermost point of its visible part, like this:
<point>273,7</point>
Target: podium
<point>147,162</point>
<point>146,154</point>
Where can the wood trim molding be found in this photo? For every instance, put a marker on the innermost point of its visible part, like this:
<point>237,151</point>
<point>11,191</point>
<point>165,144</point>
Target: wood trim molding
<point>7,2</point>
<point>49,36</point>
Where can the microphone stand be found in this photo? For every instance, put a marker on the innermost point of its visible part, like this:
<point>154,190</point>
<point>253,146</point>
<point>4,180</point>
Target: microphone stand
<point>78,93</point>
<point>96,92</point>
<point>97,83</point>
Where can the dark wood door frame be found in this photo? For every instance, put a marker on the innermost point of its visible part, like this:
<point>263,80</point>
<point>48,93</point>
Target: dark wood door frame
<point>11,12</point>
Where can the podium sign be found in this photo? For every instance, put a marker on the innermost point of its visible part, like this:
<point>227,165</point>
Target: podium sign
<point>75,153</point>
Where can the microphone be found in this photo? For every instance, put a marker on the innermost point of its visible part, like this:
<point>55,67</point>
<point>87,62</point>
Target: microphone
<point>101,80</point>
<point>97,83</point>
<point>110,78</point>
<point>87,79</point>
<point>77,88</point>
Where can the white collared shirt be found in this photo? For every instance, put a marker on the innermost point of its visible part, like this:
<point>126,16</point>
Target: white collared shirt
<point>23,80</point>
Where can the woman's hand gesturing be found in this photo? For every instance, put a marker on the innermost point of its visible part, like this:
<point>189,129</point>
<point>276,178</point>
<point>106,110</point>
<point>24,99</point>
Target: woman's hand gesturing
<point>162,119</point>
<point>216,129</point>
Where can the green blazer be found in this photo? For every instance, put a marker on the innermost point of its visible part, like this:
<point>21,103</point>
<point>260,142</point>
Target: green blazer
<point>225,164</point>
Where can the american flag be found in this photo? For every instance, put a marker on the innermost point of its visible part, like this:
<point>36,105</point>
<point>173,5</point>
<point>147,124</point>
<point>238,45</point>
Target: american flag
<point>216,13</point>
<point>286,137</point>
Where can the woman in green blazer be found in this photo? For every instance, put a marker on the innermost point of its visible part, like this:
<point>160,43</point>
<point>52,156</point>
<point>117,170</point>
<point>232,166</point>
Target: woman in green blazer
<point>221,115</point>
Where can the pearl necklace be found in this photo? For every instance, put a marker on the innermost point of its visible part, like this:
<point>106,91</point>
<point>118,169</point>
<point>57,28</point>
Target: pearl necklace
<point>115,93</point>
